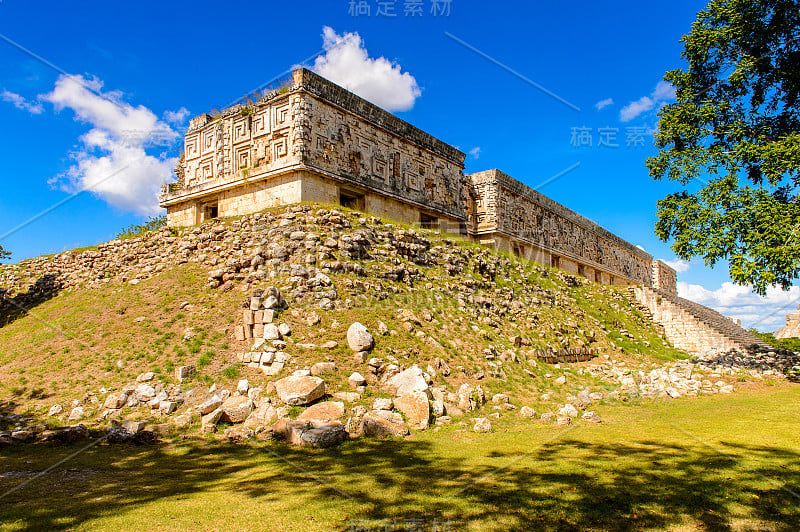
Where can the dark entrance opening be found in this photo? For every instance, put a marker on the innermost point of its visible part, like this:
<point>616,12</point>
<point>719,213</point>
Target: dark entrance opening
<point>210,211</point>
<point>428,222</point>
<point>352,200</point>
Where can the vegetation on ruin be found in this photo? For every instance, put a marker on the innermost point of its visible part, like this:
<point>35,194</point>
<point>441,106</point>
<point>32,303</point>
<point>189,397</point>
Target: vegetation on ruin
<point>4,254</point>
<point>792,344</point>
<point>652,463</point>
<point>735,130</point>
<point>153,223</point>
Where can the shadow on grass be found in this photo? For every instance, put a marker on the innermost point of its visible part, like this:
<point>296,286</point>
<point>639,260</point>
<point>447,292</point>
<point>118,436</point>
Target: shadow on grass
<point>45,288</point>
<point>561,486</point>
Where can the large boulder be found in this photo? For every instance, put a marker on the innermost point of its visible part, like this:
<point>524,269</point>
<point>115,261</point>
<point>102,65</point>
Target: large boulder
<point>359,338</point>
<point>482,424</point>
<point>318,435</point>
<point>235,409</point>
<point>324,412</point>
<point>381,423</point>
<point>209,405</point>
<point>409,381</point>
<point>321,368</point>
<point>568,410</point>
<point>470,398</point>
<point>116,400</point>
<point>300,390</point>
<point>416,408</point>
<point>265,414</point>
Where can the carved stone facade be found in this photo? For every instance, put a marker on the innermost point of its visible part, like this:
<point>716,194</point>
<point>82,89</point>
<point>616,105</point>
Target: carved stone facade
<point>315,141</point>
<point>515,218</point>
<point>664,277</point>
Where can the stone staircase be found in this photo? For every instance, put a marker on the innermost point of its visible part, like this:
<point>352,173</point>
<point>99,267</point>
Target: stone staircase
<point>691,326</point>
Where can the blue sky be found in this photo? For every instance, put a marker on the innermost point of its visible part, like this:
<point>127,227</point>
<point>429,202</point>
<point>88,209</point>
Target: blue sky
<point>162,63</point>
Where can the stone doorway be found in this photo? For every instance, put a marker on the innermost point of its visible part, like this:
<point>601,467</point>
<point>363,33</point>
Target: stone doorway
<point>352,200</point>
<point>207,211</point>
<point>428,222</point>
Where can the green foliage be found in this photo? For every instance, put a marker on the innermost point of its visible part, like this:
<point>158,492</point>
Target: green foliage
<point>735,128</point>
<point>134,230</point>
<point>4,254</point>
<point>231,372</point>
<point>205,359</point>
<point>793,344</point>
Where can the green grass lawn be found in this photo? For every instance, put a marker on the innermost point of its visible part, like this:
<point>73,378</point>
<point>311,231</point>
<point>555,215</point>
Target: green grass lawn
<point>712,463</point>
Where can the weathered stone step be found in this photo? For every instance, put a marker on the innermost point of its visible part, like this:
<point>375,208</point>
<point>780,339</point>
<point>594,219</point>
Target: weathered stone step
<point>691,326</point>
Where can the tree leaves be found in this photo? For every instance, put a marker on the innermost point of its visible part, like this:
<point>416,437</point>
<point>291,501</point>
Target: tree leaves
<point>735,130</point>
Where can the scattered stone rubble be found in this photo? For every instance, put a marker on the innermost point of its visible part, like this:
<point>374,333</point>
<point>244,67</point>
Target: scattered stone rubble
<point>306,246</point>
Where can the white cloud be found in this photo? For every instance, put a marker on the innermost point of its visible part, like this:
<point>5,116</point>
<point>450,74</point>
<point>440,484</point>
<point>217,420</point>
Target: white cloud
<point>21,103</point>
<point>604,103</point>
<point>112,160</point>
<point>664,92</point>
<point>176,117</point>
<point>475,152</point>
<point>380,81</point>
<point>634,109</point>
<point>679,265</point>
<point>641,247</point>
<point>765,313</point>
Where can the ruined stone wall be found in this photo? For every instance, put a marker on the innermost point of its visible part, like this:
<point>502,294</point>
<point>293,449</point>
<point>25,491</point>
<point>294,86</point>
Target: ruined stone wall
<point>503,205</point>
<point>792,329</point>
<point>664,277</point>
<point>283,189</point>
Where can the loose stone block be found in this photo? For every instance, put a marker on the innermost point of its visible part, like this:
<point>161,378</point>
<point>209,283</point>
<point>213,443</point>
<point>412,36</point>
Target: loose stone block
<point>184,372</point>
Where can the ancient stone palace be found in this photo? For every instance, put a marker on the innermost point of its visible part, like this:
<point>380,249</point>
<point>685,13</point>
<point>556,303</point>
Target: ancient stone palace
<point>315,141</point>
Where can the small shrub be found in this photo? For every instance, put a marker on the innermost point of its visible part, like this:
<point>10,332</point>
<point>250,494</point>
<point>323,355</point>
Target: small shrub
<point>153,223</point>
<point>205,359</point>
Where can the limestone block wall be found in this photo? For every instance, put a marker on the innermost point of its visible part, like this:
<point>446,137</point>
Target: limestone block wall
<point>182,214</point>
<point>282,189</point>
<point>501,204</point>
